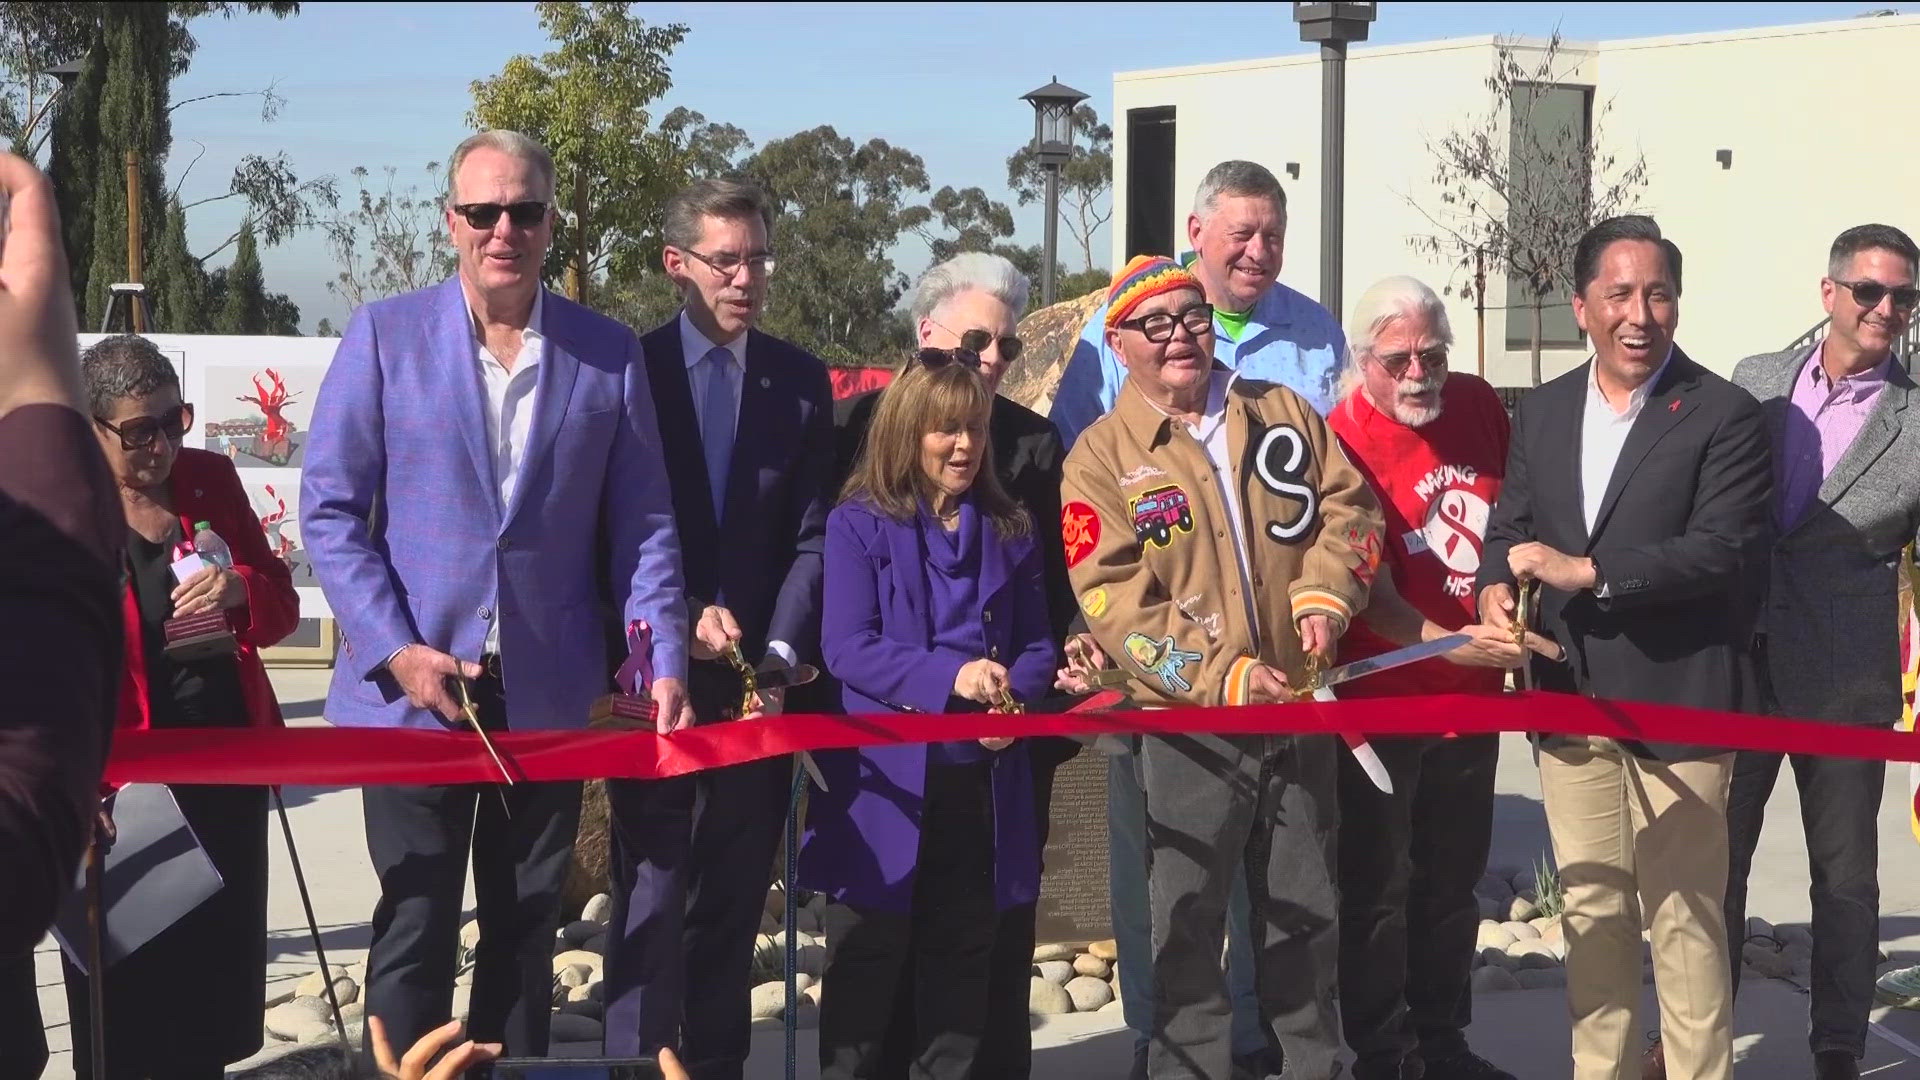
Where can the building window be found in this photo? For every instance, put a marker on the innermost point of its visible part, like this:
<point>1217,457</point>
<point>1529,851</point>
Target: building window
<point>1150,204</point>
<point>1551,127</point>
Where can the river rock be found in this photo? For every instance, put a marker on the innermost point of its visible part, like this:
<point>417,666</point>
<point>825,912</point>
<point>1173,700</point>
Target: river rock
<point>1044,953</point>
<point>812,960</point>
<point>470,934</point>
<point>1498,958</point>
<point>1493,979</point>
<point>1523,881</point>
<point>570,1028</point>
<point>1493,887</point>
<point>1047,999</point>
<point>574,975</point>
<point>598,910</point>
<point>1108,950</point>
<point>808,920</point>
<point>1521,908</point>
<point>592,1010</point>
<point>1765,961</point>
<point>1541,978</point>
<point>1791,934</point>
<point>578,956</point>
<point>1113,1006</point>
<point>1799,958</point>
<point>1056,972</point>
<point>1493,935</point>
<point>1092,966</point>
<point>297,1020</point>
<point>580,932</point>
<point>596,944</point>
<point>767,1000</point>
<point>583,992</point>
<point>281,997</point>
<point>807,1016</point>
<point>1491,909</point>
<point>310,984</point>
<point>1532,954</point>
<point>812,993</point>
<point>1088,993</point>
<point>1758,927</point>
<point>596,991</point>
<point>1521,931</point>
<point>802,981</point>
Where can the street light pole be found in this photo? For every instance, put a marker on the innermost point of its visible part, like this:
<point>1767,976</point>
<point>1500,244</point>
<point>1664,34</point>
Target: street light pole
<point>1333,25</point>
<point>1053,106</point>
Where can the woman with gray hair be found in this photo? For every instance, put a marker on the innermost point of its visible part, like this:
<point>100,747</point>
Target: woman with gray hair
<point>972,304</point>
<point>170,493</point>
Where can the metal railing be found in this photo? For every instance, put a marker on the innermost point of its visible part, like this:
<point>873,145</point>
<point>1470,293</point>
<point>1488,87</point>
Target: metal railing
<point>1909,341</point>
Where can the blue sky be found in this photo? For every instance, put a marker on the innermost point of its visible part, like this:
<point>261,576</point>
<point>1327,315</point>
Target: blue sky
<point>387,84</point>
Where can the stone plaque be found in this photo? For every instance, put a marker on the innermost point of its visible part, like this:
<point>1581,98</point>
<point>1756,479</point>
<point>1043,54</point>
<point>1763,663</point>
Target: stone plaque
<point>1073,887</point>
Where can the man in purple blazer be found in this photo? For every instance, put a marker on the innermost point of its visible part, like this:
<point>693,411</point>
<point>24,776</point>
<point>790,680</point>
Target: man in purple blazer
<point>483,466</point>
<point>747,424</point>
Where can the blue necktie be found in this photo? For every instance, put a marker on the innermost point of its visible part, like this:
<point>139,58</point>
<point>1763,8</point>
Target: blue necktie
<point>716,426</point>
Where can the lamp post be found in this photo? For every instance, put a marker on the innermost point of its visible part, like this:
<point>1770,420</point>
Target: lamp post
<point>1053,106</point>
<point>1333,26</point>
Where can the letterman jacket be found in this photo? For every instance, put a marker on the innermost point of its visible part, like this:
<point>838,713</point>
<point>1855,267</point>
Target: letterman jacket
<point>1153,559</point>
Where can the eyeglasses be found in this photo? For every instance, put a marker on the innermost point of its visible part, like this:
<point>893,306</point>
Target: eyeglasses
<point>728,266</point>
<point>1158,327</point>
<point>484,215</point>
<point>1868,294</point>
<point>1396,364</point>
<point>939,358</point>
<point>142,432</point>
<point>977,341</point>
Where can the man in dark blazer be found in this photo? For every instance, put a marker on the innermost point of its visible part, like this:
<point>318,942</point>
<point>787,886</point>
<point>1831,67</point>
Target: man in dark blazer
<point>1846,445</point>
<point>973,301</point>
<point>1637,495</point>
<point>747,423</point>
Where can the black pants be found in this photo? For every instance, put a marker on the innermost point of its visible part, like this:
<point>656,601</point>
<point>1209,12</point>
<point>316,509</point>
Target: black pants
<point>1839,809</point>
<point>1006,1052</point>
<point>932,962</point>
<point>23,1039</point>
<point>1408,917</point>
<point>418,839</point>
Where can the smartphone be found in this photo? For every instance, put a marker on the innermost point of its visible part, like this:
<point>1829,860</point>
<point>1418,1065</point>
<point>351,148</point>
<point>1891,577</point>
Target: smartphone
<point>640,1068</point>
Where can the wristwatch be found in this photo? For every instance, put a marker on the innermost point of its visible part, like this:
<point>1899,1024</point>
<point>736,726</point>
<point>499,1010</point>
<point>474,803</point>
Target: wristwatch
<point>1599,577</point>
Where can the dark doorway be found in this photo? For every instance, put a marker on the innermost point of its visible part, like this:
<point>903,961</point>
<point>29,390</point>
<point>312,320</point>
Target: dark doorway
<point>1150,201</point>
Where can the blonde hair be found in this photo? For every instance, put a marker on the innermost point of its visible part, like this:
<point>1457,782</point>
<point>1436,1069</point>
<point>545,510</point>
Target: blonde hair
<point>887,475</point>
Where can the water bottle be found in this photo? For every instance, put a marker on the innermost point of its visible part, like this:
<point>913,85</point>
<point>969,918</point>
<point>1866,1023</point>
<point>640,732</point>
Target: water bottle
<point>210,547</point>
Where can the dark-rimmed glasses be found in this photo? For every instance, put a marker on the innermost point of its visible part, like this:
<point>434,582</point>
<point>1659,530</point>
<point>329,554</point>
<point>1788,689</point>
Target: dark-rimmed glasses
<point>1868,294</point>
<point>939,358</point>
<point>1158,327</point>
<point>1396,364</point>
<point>977,341</point>
<point>728,266</point>
<point>484,215</point>
<point>142,432</point>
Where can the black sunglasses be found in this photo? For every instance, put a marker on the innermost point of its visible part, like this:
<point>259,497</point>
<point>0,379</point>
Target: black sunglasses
<point>939,358</point>
<point>483,215</point>
<point>1868,294</point>
<point>1158,327</point>
<point>977,341</point>
<point>142,432</point>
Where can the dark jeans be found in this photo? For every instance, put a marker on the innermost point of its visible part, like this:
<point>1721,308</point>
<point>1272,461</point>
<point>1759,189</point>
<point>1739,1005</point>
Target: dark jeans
<point>23,1041</point>
<point>1408,917</point>
<point>932,962</point>
<point>1839,809</point>
<point>1265,807</point>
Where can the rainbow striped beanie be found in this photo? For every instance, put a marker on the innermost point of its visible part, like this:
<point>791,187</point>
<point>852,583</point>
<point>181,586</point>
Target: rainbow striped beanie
<point>1144,276</point>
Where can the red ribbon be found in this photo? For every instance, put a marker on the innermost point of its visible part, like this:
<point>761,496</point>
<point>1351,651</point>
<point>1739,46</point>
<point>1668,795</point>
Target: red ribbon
<point>355,757</point>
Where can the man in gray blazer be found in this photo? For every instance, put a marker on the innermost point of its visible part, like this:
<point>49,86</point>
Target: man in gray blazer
<point>1845,432</point>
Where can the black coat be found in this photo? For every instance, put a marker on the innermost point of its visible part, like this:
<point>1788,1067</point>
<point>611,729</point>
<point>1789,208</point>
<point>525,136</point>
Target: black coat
<point>1681,540</point>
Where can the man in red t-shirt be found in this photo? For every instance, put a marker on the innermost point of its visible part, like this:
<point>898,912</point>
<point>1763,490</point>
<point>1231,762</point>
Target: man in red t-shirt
<point>1434,446</point>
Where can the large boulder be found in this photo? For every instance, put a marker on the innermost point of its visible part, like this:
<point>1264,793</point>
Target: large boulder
<point>587,877</point>
<point>1050,335</point>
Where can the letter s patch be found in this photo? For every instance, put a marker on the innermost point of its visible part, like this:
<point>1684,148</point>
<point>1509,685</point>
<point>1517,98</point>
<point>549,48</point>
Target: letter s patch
<point>1280,460</point>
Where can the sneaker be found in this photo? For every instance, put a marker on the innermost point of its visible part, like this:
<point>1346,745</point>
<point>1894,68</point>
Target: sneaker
<point>1466,1065</point>
<point>1899,988</point>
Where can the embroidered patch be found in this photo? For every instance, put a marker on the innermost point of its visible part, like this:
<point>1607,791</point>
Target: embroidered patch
<point>1094,603</point>
<point>1142,474</point>
<point>1209,621</point>
<point>1369,548</point>
<point>1280,460</point>
<point>1161,659</point>
<point>1079,531</point>
<point>1160,513</point>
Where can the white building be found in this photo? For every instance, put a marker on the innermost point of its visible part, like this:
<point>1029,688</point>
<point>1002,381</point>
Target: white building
<point>1761,146</point>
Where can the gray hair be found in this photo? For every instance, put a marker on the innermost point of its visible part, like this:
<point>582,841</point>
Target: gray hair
<point>1244,179</point>
<point>511,143</point>
<point>967,272</point>
<point>1387,301</point>
<point>728,200</point>
<point>1866,238</point>
<point>124,366</point>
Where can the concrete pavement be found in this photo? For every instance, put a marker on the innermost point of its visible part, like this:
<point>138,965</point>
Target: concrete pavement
<point>1525,1031</point>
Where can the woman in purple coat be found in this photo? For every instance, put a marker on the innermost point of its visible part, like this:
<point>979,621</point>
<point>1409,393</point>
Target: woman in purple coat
<point>933,603</point>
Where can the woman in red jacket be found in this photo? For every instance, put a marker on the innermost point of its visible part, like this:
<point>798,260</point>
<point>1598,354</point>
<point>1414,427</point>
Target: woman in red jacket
<point>153,1028</point>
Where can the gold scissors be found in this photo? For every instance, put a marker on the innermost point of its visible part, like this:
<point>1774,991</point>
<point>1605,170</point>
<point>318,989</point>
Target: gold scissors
<point>749,683</point>
<point>471,714</point>
<point>1526,599</point>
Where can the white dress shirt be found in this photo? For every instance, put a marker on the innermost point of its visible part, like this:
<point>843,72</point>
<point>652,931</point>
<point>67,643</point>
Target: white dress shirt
<point>1603,434</point>
<point>694,347</point>
<point>509,410</point>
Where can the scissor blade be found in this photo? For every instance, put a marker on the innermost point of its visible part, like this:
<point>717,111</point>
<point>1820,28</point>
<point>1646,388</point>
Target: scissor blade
<point>1387,661</point>
<point>813,770</point>
<point>1106,679</point>
<point>784,678</point>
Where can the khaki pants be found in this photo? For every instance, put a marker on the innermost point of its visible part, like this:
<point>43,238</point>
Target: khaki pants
<point>1639,838</point>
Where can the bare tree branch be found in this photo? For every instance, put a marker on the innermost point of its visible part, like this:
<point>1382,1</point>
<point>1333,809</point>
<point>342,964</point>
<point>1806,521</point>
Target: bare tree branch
<point>270,100</point>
